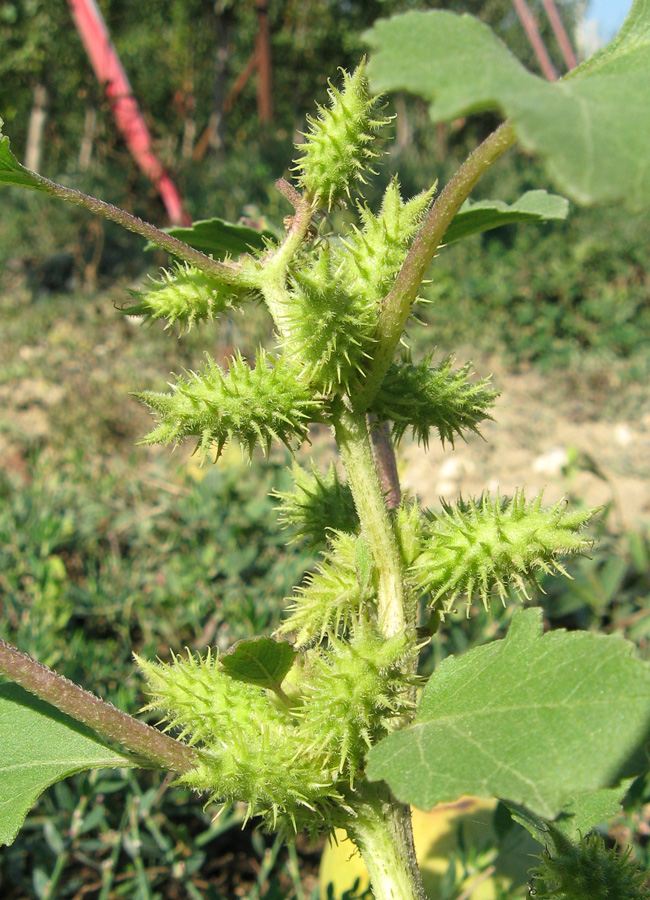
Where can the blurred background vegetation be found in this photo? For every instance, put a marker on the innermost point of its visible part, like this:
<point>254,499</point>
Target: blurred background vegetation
<point>106,548</point>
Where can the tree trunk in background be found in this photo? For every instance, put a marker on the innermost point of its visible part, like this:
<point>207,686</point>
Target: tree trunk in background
<point>404,129</point>
<point>88,138</point>
<point>37,118</point>
<point>220,77</point>
<point>189,135</point>
<point>263,53</point>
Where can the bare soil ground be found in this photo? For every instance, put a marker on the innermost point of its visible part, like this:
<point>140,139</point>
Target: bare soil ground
<point>592,445</point>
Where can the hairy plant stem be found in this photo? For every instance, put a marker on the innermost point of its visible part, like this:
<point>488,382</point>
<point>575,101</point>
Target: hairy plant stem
<point>382,831</point>
<point>274,278</point>
<point>228,272</point>
<point>352,437</point>
<point>110,723</point>
<point>396,305</point>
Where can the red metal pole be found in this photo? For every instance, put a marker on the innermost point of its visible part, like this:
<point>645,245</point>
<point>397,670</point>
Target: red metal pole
<point>109,71</point>
<point>560,34</point>
<point>535,38</point>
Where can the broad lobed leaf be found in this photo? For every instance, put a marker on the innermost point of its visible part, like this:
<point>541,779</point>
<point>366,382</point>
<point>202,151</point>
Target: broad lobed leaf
<point>592,128</point>
<point>534,719</point>
<point>39,747</point>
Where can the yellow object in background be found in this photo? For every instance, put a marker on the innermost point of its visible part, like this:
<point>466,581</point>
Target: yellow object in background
<point>462,832</point>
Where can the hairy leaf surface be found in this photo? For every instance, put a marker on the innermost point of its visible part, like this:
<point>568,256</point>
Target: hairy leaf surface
<point>39,747</point>
<point>534,719</point>
<point>592,128</point>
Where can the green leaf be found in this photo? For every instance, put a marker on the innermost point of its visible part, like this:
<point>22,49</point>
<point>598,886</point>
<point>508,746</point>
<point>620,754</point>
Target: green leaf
<point>579,816</point>
<point>261,661</point>
<point>533,206</point>
<point>39,747</point>
<point>533,719</point>
<point>592,128</point>
<point>11,171</point>
<point>219,239</point>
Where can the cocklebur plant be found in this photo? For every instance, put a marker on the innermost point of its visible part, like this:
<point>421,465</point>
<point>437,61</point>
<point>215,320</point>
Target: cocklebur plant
<point>326,724</point>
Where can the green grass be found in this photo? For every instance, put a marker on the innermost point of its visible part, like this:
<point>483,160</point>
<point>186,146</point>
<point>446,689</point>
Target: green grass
<point>548,295</point>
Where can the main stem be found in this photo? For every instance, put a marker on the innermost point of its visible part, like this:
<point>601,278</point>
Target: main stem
<point>382,831</point>
<point>381,827</point>
<point>353,440</point>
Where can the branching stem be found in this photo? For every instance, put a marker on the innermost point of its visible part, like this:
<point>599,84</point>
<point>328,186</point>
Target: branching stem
<point>110,723</point>
<point>274,278</point>
<point>229,272</point>
<point>396,305</point>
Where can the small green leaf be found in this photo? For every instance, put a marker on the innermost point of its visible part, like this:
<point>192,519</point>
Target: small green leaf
<point>592,128</point>
<point>261,661</point>
<point>582,813</point>
<point>39,747</point>
<point>533,206</point>
<point>11,171</point>
<point>534,719</point>
<point>219,239</point>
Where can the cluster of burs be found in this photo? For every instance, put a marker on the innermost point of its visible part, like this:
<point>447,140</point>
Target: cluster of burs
<point>295,756</point>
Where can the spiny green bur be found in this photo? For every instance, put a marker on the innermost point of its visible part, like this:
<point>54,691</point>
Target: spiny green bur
<point>376,251</point>
<point>288,761</point>
<point>477,547</point>
<point>318,505</point>
<point>340,143</point>
<point>587,871</point>
<point>425,397</point>
<point>334,594</point>
<point>257,405</point>
<point>329,331</point>
<point>184,295</point>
